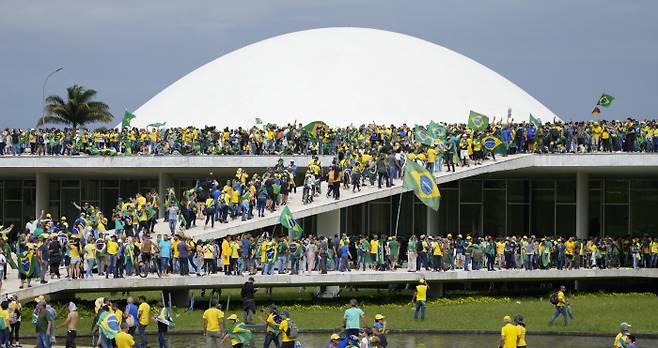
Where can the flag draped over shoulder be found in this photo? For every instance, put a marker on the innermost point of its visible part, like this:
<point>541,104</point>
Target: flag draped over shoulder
<point>288,221</point>
<point>477,121</point>
<point>422,136</point>
<point>26,263</point>
<point>494,144</point>
<point>127,117</point>
<point>422,182</point>
<point>535,121</point>
<point>312,127</point>
<point>605,100</point>
<point>108,324</point>
<point>239,332</point>
<point>10,260</point>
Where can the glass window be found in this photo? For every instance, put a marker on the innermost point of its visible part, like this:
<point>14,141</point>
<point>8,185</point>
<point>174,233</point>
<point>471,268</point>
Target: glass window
<point>643,212</point>
<point>379,216</point>
<point>53,208</point>
<point>616,191</point>
<point>70,195</point>
<point>470,219</point>
<point>448,212</point>
<point>355,216</point>
<point>566,220</point>
<point>494,184</point>
<point>470,191</point>
<point>543,184</point>
<point>130,187</point>
<point>13,190</point>
<point>405,226</point>
<point>53,190</point>
<point>109,198</point>
<point>420,219</point>
<point>14,213</point>
<point>29,203</point>
<point>90,190</point>
<point>543,213</point>
<point>616,220</point>
<point>450,184</point>
<point>71,183</point>
<point>595,222</point>
<point>644,184</point>
<point>110,183</point>
<point>146,185</point>
<point>566,191</point>
<point>594,183</point>
<point>518,219</point>
<point>494,212</point>
<point>30,183</point>
<point>517,191</point>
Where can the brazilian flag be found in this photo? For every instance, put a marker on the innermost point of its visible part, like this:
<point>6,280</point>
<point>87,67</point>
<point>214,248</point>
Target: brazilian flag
<point>494,144</point>
<point>423,136</point>
<point>26,264</point>
<point>535,121</point>
<point>477,121</point>
<point>436,131</point>
<point>312,128</point>
<point>127,117</point>
<point>605,100</point>
<point>241,333</point>
<point>422,182</point>
<point>288,221</point>
<point>108,324</point>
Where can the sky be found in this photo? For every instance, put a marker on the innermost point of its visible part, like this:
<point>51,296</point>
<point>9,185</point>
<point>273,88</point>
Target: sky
<point>564,53</point>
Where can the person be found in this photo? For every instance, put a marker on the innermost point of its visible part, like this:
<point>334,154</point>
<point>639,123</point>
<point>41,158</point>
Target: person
<point>560,302</point>
<point>4,324</point>
<point>163,321</point>
<point>43,326</point>
<point>213,325</point>
<point>420,298</point>
<point>520,327</point>
<point>15,309</point>
<point>353,318</point>
<point>624,331</point>
<point>249,303</point>
<point>272,328</point>
<point>131,311</point>
<point>379,330</point>
<point>628,342</point>
<point>288,336</point>
<point>237,332</point>
<point>509,334</point>
<point>123,339</point>
<point>334,340</point>
<point>3,267</point>
<point>143,312</point>
<point>71,324</point>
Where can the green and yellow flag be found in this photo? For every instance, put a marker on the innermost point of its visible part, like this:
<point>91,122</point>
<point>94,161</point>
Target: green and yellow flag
<point>535,121</point>
<point>312,127</point>
<point>494,144</point>
<point>477,121</point>
<point>108,324</point>
<point>437,131</point>
<point>127,117</point>
<point>422,136</point>
<point>288,221</point>
<point>422,182</point>
<point>605,100</point>
<point>259,120</point>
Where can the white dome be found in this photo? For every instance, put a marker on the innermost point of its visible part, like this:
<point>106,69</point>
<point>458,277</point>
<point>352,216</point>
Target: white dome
<point>341,76</point>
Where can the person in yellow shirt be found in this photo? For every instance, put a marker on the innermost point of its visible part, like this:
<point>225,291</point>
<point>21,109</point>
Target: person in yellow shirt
<point>570,251</point>
<point>117,312</point>
<point>374,246</point>
<point>234,331</point>
<point>284,328</point>
<point>431,158</point>
<point>520,327</point>
<point>560,306</point>
<point>500,250</point>
<point>420,297</point>
<point>437,254</point>
<point>112,249</point>
<point>509,334</point>
<point>143,313</point>
<point>213,325</point>
<point>624,331</point>
<point>123,339</point>
<point>226,255</point>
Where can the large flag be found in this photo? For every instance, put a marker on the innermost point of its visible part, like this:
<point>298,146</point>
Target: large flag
<point>535,121</point>
<point>605,100</point>
<point>477,121</point>
<point>494,144</point>
<point>422,182</point>
<point>288,221</point>
<point>127,117</point>
<point>312,127</point>
<point>422,136</point>
<point>241,333</point>
<point>437,131</point>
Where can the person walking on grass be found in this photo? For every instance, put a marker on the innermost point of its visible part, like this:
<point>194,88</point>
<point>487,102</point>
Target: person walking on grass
<point>71,323</point>
<point>559,299</point>
<point>143,312</point>
<point>420,298</point>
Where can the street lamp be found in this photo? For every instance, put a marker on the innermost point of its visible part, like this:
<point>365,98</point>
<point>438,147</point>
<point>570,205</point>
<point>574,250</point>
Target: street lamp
<point>43,91</point>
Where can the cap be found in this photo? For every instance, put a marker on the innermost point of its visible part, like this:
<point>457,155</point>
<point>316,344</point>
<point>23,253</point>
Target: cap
<point>335,337</point>
<point>232,317</point>
<point>422,281</point>
<point>285,313</point>
<point>507,318</point>
<point>379,317</point>
<point>625,326</point>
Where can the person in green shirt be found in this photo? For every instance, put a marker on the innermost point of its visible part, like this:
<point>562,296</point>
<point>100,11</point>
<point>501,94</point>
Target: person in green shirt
<point>412,255</point>
<point>393,251</point>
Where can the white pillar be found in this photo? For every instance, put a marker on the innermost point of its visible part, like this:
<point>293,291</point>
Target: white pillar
<point>329,223</point>
<point>432,222</point>
<point>582,205</point>
<point>43,193</point>
<point>164,182</point>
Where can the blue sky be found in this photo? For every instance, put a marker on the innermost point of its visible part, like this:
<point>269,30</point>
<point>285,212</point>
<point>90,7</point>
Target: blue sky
<point>564,53</point>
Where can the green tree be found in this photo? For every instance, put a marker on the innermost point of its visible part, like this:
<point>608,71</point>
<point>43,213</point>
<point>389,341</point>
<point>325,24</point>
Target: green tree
<point>78,110</point>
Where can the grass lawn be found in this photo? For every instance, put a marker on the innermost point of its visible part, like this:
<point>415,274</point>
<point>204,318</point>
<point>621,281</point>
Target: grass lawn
<point>594,312</point>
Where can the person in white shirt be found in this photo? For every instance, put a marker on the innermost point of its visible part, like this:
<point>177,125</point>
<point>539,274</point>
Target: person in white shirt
<point>3,267</point>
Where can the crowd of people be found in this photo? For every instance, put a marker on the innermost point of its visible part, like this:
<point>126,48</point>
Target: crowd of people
<point>628,135</point>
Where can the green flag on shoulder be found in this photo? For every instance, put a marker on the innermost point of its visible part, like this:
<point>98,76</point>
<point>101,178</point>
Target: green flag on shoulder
<point>288,221</point>
<point>477,121</point>
<point>422,182</point>
<point>535,121</point>
<point>127,117</point>
<point>605,100</point>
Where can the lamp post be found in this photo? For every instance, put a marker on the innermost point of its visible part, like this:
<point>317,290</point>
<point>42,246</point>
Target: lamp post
<point>43,92</point>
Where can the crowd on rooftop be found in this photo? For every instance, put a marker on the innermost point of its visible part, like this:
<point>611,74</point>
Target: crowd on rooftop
<point>628,135</point>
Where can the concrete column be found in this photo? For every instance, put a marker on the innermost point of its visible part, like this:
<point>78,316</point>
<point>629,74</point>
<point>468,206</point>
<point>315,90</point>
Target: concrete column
<point>432,222</point>
<point>329,223</point>
<point>164,182</point>
<point>43,193</point>
<point>179,297</point>
<point>582,205</point>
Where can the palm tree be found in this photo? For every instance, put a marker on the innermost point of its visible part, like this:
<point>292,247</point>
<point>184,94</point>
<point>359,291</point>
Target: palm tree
<point>78,110</point>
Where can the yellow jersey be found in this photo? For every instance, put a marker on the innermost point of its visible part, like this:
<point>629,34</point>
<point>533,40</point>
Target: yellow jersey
<point>521,336</point>
<point>284,328</point>
<point>124,340</point>
<point>213,318</point>
<point>143,312</point>
<point>421,292</point>
<point>510,335</point>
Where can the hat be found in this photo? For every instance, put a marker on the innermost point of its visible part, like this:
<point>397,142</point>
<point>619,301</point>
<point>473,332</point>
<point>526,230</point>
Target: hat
<point>449,235</point>
<point>422,281</point>
<point>285,313</point>
<point>379,317</point>
<point>232,317</point>
<point>63,218</point>
<point>468,237</point>
<point>507,318</point>
<point>48,216</point>
<point>519,319</point>
<point>335,337</point>
<point>40,299</point>
<point>625,326</point>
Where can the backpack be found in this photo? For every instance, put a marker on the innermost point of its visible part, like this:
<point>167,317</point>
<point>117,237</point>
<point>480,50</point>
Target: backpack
<point>3,324</point>
<point>553,299</point>
<point>293,330</point>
